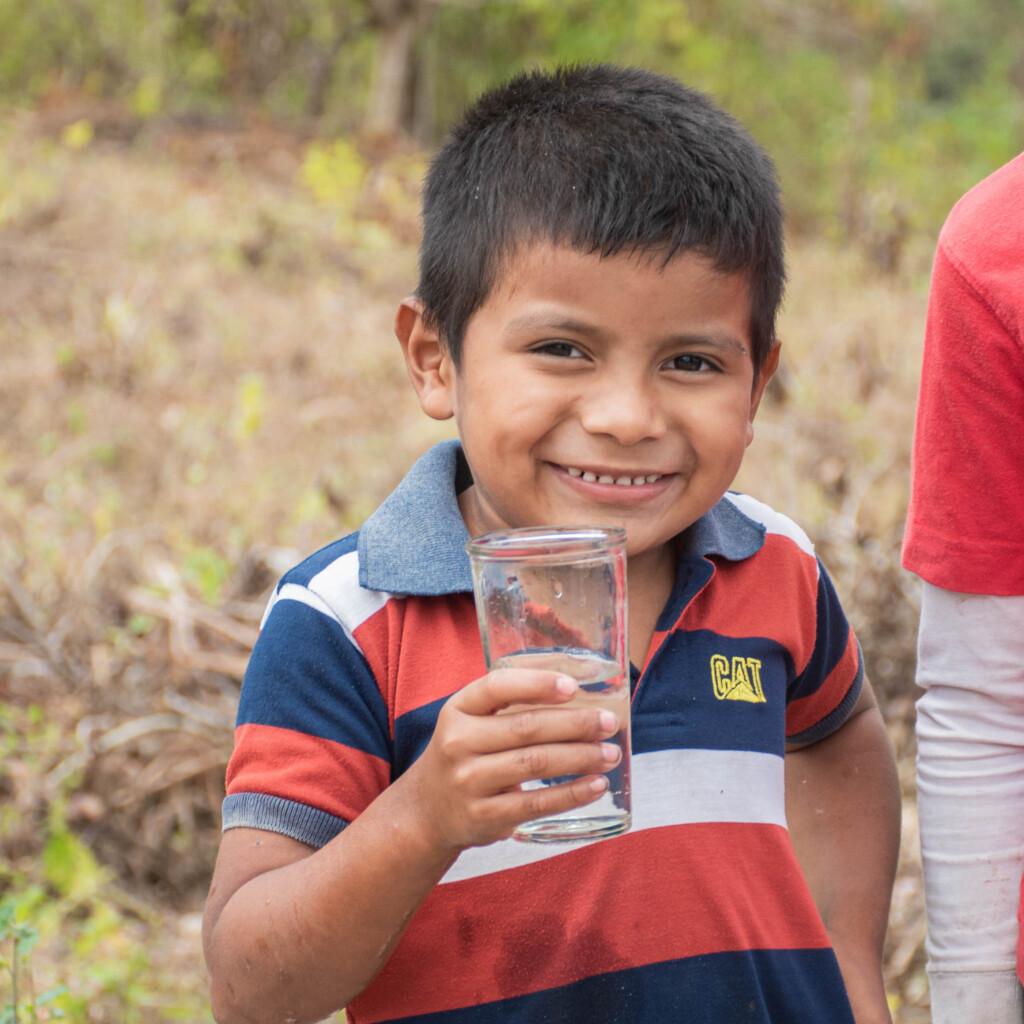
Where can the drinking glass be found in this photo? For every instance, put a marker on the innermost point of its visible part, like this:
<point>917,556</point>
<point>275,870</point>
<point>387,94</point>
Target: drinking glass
<point>555,598</point>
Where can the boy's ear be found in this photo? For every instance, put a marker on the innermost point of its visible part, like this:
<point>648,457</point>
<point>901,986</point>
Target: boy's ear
<point>765,374</point>
<point>427,360</point>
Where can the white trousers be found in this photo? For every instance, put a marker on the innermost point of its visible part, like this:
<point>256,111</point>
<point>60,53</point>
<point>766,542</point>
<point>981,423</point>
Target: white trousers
<point>970,792</point>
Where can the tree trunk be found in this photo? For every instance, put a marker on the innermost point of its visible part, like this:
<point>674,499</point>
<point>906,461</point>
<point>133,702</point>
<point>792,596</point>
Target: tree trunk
<point>323,72</point>
<point>399,27</point>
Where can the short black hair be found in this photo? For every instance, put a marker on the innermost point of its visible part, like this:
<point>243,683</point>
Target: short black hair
<point>603,159</point>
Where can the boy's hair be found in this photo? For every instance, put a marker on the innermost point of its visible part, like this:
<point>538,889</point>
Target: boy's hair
<point>603,159</point>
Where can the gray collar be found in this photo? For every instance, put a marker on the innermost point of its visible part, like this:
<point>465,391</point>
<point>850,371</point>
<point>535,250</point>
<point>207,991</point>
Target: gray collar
<point>415,543</point>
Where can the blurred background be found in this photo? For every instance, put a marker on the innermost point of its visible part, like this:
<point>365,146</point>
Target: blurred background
<point>208,214</point>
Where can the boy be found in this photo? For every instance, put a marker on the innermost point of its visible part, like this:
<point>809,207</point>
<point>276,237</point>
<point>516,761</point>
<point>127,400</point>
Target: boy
<point>600,271</point>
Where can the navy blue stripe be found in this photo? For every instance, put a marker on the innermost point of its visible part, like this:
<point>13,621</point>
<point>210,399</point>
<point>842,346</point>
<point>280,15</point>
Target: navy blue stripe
<point>676,707</point>
<point>692,575</point>
<point>306,675</point>
<point>412,734</point>
<point>759,987</point>
<point>831,722</point>
<point>833,634</point>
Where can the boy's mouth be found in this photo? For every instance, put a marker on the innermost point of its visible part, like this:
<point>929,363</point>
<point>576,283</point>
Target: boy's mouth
<point>620,480</point>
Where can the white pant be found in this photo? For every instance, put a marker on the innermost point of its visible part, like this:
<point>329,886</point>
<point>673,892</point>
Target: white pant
<point>970,792</point>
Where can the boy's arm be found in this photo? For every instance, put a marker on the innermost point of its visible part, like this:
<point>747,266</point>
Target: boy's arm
<point>293,935</point>
<point>843,808</point>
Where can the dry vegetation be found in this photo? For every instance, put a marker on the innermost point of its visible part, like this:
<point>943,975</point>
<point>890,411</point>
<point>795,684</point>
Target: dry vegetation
<point>199,385</point>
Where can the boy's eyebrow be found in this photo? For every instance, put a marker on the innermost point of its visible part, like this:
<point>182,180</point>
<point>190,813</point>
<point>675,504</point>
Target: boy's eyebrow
<point>553,322</point>
<point>717,339</point>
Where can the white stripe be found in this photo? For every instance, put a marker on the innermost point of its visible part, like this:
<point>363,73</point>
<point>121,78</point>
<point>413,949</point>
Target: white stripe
<point>336,593</point>
<point>297,592</point>
<point>268,609</point>
<point>670,787</point>
<point>772,521</point>
<point>339,587</point>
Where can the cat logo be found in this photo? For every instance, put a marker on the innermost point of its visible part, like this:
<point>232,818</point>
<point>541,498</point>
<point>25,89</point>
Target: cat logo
<point>740,680</point>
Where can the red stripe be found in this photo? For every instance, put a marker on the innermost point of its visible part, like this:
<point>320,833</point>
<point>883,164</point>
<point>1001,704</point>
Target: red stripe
<point>804,712</point>
<point>657,639</point>
<point>537,927</point>
<point>726,607</point>
<point>307,769</point>
<point>432,646</point>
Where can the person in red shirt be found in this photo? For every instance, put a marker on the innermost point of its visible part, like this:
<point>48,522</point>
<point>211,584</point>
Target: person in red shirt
<point>965,539</point>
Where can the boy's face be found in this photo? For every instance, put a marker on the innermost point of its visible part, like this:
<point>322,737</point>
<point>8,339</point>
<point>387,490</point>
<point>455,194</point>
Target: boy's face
<point>597,390</point>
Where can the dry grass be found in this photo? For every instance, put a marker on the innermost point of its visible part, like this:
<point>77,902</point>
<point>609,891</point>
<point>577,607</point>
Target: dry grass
<point>200,384</point>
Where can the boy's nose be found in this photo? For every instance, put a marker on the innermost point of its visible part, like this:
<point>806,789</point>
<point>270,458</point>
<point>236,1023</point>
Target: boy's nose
<point>627,411</point>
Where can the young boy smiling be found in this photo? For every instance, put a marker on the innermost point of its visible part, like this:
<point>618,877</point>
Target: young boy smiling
<point>600,273</point>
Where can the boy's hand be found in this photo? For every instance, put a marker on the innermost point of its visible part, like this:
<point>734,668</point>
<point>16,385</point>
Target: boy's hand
<point>468,779</point>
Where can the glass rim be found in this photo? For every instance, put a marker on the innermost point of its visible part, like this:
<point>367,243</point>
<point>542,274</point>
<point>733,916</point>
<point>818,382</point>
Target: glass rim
<point>541,541</point>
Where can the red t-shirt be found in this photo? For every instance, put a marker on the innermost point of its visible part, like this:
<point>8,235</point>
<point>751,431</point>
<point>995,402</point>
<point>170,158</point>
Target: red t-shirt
<point>965,526</point>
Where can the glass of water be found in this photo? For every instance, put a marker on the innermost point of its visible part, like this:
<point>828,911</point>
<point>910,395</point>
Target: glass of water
<point>555,598</point>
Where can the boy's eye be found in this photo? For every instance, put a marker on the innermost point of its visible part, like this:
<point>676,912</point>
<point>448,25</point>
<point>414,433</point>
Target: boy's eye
<point>691,363</point>
<point>562,349</point>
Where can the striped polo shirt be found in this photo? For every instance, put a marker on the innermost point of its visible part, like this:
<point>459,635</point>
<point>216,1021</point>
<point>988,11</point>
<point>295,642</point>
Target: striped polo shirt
<point>700,912</point>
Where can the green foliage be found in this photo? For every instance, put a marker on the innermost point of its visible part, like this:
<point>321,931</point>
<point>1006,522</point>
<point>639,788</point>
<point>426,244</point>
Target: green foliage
<point>877,118</point>
<point>73,945</point>
<point>184,54</point>
<point>88,927</point>
<point>21,938</point>
<point>208,571</point>
<point>878,113</point>
<point>249,407</point>
<point>69,866</point>
<point>370,205</point>
<point>335,173</point>
<point>78,134</point>
<point>148,98</point>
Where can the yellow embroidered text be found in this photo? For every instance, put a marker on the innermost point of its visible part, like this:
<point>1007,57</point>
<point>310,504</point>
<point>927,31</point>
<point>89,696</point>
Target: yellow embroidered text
<point>740,680</point>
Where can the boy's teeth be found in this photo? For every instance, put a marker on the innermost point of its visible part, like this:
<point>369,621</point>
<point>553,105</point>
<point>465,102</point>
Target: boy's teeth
<point>620,481</point>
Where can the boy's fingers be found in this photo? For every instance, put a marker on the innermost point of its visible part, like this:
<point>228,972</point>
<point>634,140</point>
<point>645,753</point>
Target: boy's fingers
<point>523,729</point>
<point>506,686</point>
<point>516,806</point>
<point>507,770</point>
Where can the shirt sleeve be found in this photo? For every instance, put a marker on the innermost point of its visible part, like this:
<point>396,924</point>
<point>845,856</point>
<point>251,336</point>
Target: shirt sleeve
<point>312,740</point>
<point>822,696</point>
<point>965,525</point>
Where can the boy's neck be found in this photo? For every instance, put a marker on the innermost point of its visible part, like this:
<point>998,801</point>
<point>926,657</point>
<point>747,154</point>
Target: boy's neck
<point>650,577</point>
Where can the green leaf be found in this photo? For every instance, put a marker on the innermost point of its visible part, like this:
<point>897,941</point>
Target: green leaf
<point>51,995</point>
<point>70,866</point>
<point>209,570</point>
<point>148,98</point>
<point>77,135</point>
<point>26,938</point>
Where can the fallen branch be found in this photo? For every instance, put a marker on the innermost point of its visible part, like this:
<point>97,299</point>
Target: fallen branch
<point>148,603</point>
